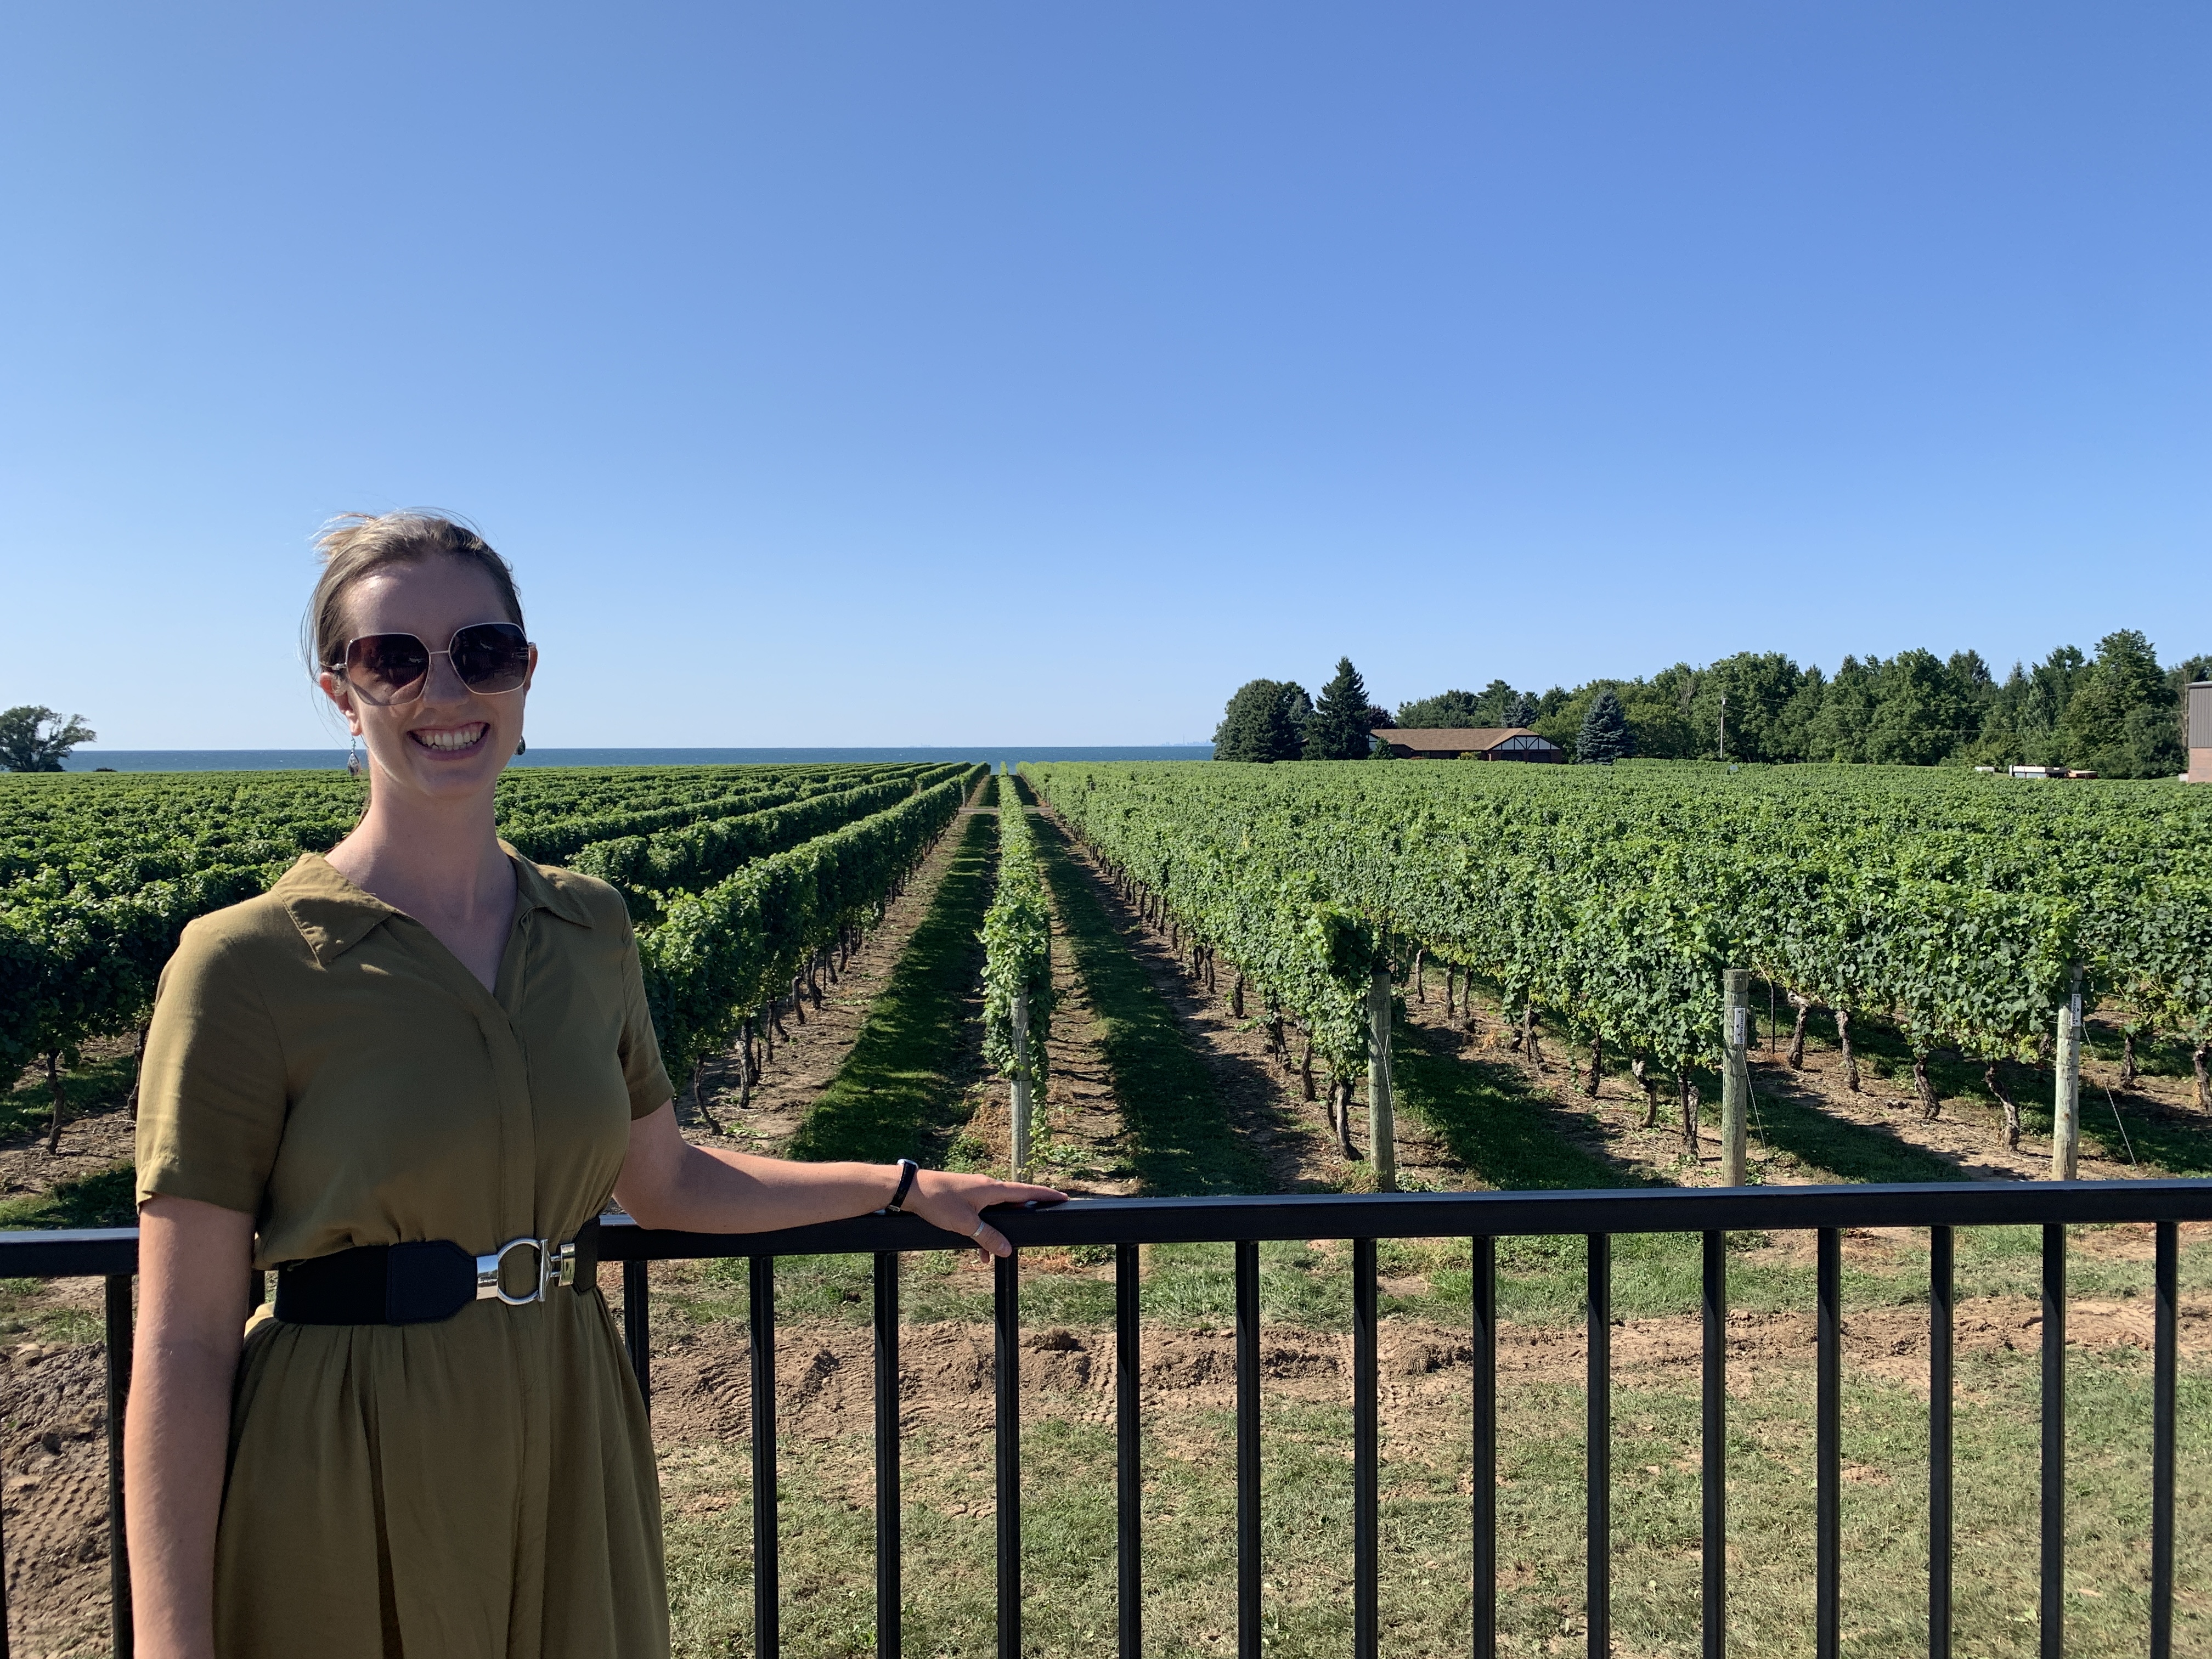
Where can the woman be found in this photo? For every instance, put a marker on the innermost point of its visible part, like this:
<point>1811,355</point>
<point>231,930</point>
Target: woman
<point>421,1041</point>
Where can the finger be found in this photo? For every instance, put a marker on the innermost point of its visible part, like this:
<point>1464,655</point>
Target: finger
<point>1017,1192</point>
<point>990,1240</point>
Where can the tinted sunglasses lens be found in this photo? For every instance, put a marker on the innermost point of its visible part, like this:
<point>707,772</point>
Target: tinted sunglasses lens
<point>491,657</point>
<point>384,666</point>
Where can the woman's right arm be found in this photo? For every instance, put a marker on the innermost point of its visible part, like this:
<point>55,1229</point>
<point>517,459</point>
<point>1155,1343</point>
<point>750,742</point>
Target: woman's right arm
<point>193,1259</point>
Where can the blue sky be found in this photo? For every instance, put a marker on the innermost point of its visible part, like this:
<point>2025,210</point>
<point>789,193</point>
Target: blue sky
<point>872,373</point>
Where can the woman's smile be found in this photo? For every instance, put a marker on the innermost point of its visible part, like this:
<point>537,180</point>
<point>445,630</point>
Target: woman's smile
<point>451,739</point>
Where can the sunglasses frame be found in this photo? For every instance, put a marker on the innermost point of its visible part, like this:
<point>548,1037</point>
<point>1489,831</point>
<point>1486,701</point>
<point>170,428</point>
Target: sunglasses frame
<point>338,668</point>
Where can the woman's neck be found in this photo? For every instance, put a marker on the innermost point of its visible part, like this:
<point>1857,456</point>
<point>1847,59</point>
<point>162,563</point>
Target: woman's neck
<point>430,859</point>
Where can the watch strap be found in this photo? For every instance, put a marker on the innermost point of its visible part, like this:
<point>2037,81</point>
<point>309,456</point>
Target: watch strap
<point>908,1170</point>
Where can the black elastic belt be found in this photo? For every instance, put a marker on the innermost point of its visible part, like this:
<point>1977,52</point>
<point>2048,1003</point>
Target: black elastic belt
<point>420,1283</point>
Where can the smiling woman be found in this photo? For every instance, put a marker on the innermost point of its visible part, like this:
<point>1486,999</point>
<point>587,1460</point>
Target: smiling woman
<point>408,1077</point>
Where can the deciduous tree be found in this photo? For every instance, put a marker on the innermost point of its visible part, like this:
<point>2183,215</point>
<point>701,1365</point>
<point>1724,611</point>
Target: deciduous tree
<point>1263,722</point>
<point>37,739</point>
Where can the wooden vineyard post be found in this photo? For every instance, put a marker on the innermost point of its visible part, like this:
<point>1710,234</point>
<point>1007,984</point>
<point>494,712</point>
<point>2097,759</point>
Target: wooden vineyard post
<point>1382,1120</point>
<point>1735,1076</point>
<point>2066,1110</point>
<point>1021,1109</point>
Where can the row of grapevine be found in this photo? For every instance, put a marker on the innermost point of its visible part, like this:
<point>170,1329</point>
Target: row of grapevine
<point>699,855</point>
<point>720,955</point>
<point>1610,901</point>
<point>90,912</point>
<point>1017,994</point>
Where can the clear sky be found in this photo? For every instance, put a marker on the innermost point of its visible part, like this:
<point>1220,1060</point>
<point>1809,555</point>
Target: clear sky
<point>849,372</point>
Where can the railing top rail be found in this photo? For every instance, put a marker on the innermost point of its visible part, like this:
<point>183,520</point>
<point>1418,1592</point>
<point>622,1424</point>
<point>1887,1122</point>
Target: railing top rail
<point>1334,1215</point>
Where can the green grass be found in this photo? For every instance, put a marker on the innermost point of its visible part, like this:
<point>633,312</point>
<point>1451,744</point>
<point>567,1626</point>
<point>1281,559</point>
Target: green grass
<point>898,1093</point>
<point>1306,1510</point>
<point>108,1198</point>
<point>1178,1136</point>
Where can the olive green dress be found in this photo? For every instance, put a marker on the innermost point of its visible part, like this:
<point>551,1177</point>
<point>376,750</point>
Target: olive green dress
<point>482,1488</point>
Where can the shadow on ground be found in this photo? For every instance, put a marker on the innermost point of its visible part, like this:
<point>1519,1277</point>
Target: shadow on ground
<point>1180,1138</point>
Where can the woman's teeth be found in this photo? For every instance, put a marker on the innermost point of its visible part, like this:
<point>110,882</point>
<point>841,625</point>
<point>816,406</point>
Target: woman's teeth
<point>463,736</point>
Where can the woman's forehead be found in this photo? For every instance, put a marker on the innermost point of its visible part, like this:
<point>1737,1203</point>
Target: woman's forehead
<point>431,596</point>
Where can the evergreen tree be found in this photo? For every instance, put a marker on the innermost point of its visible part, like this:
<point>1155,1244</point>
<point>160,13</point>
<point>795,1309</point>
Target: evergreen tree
<point>1337,729</point>
<point>1262,722</point>
<point>1522,711</point>
<point>1604,737</point>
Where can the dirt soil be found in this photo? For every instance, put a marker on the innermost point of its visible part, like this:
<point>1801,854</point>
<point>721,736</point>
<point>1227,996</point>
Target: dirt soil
<point>92,1139</point>
<point>53,1491</point>
<point>701,1388</point>
<point>1263,1095</point>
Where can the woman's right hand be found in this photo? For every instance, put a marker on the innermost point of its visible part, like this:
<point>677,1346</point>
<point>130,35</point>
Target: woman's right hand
<point>956,1202</point>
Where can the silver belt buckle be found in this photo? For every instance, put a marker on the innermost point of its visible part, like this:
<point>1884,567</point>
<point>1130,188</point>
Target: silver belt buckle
<point>556,1265</point>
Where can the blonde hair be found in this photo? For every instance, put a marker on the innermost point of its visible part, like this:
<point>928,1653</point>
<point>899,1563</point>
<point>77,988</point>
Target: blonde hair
<point>357,544</point>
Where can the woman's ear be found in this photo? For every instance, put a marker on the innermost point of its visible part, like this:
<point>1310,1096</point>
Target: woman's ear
<point>335,690</point>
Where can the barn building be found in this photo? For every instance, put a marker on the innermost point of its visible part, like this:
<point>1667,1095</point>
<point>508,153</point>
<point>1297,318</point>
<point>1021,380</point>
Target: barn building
<point>2200,732</point>
<point>1495,743</point>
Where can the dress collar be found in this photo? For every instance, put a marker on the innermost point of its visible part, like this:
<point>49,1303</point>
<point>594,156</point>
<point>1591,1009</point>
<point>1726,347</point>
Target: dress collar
<point>333,916</point>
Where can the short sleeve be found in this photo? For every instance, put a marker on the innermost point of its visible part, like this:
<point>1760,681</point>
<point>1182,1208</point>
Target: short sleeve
<point>642,1072</point>
<point>211,1095</point>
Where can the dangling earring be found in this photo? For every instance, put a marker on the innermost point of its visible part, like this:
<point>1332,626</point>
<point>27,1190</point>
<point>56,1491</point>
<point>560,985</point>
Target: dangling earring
<point>521,746</point>
<point>353,756</point>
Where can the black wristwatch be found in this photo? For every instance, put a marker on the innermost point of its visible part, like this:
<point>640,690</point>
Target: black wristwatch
<point>908,1170</point>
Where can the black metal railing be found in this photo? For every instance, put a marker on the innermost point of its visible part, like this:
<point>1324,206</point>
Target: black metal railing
<point>1483,1217</point>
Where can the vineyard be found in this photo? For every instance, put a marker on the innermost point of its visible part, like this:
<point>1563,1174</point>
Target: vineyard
<point>1608,901</point>
<point>739,877</point>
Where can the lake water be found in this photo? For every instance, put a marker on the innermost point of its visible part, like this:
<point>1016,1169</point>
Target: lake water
<point>296,760</point>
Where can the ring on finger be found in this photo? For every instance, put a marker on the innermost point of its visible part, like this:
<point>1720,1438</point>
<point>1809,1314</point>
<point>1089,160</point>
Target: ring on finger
<point>980,1226</point>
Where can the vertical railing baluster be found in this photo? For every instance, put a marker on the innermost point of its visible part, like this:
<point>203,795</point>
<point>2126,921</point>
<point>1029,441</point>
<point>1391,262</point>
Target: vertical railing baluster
<point>768,1595</point>
<point>637,1326</point>
<point>1713,1477</point>
<point>889,1598</point>
<point>1483,1385</point>
<point>2052,1608</point>
<point>1598,1436</point>
<point>2167,1280</point>
<point>1827,1448</point>
<point>1007,1328</point>
<point>1129,1466</point>
<point>1366,1457</point>
<point>1942,1309</point>
<point>1247,1450</point>
<point>119,1335</point>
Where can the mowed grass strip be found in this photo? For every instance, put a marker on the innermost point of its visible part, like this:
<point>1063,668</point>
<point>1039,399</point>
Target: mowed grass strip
<point>897,1092</point>
<point>1179,1139</point>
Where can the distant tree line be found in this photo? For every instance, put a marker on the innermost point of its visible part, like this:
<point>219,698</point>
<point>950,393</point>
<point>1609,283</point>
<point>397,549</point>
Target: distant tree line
<point>2118,713</point>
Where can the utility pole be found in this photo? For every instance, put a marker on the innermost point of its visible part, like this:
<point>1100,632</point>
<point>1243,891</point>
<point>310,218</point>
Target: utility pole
<point>1724,726</point>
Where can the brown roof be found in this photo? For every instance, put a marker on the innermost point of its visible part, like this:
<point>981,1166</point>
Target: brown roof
<point>1474,738</point>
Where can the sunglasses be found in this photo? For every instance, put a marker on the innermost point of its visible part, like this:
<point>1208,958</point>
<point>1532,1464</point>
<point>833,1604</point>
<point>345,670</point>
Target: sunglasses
<point>387,668</point>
